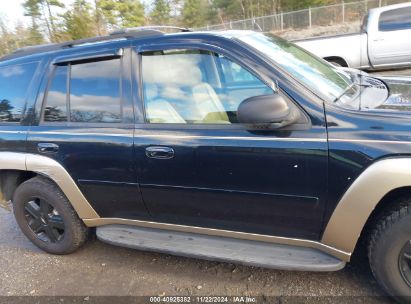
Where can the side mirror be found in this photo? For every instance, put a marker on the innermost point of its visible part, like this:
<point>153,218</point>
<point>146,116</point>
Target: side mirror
<point>270,110</point>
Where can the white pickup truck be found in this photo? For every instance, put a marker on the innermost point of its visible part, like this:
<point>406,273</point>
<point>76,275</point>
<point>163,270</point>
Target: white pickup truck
<point>384,41</point>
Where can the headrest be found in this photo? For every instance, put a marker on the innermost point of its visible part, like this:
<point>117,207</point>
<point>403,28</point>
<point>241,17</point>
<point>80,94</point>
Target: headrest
<point>173,69</point>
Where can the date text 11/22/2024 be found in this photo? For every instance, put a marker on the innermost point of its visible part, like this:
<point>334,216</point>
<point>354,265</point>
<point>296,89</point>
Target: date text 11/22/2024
<point>203,299</point>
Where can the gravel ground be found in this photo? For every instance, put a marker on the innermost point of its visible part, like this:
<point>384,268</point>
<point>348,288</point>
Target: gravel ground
<point>98,269</point>
<point>319,31</point>
<point>402,72</point>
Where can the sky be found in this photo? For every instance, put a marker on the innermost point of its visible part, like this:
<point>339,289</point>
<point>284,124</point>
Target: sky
<point>12,11</point>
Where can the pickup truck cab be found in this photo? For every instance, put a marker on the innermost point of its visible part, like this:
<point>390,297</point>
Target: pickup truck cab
<point>233,146</point>
<point>382,44</point>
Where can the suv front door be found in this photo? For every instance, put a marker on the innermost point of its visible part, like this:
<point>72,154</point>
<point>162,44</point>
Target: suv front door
<point>198,166</point>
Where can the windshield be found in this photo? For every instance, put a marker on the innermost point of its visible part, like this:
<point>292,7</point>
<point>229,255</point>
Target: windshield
<point>319,76</point>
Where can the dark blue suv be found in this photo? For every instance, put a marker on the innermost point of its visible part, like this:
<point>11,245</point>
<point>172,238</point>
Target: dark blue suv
<point>234,146</point>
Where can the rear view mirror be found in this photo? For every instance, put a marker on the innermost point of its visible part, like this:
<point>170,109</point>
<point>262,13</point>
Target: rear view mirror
<point>271,110</point>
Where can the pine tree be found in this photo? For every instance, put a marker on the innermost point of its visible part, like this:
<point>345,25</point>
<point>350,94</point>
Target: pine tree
<point>32,9</point>
<point>108,10</point>
<point>5,39</point>
<point>231,10</point>
<point>41,13</point>
<point>122,13</point>
<point>131,13</point>
<point>195,13</point>
<point>98,17</point>
<point>50,18</point>
<point>160,15</point>
<point>78,21</point>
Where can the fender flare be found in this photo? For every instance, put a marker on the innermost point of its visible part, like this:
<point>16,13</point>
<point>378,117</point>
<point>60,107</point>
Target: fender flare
<point>54,171</point>
<point>354,208</point>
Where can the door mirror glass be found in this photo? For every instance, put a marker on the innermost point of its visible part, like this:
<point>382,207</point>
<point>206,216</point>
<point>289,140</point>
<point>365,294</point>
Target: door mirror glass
<point>269,110</point>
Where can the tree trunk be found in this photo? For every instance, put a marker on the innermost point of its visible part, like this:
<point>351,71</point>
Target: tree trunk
<point>53,28</point>
<point>47,24</point>
<point>98,19</point>
<point>243,9</point>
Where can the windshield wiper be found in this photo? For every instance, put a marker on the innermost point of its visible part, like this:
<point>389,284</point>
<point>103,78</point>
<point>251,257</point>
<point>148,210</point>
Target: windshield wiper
<point>350,87</point>
<point>345,91</point>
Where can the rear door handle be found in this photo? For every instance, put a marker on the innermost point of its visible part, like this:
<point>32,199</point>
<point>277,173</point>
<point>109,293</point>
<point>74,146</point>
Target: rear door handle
<point>47,147</point>
<point>159,152</point>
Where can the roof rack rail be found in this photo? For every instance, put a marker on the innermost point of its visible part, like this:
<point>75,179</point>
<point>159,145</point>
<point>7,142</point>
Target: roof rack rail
<point>28,50</point>
<point>149,27</point>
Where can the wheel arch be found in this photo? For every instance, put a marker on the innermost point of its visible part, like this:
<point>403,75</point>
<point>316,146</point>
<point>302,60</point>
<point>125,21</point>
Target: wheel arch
<point>338,59</point>
<point>372,191</point>
<point>388,202</point>
<point>10,179</point>
<point>17,166</point>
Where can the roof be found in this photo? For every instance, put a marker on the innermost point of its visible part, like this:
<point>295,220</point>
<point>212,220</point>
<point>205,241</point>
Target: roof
<point>117,36</point>
<point>122,34</point>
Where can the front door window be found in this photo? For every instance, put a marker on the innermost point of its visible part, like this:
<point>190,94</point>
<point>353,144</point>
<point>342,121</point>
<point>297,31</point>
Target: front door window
<point>195,87</point>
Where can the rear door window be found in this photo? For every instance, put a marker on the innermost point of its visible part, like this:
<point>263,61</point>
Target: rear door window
<point>394,20</point>
<point>95,92</point>
<point>85,93</point>
<point>14,83</point>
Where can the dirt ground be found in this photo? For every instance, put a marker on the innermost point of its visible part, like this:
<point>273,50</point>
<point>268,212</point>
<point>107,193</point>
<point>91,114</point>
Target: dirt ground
<point>98,269</point>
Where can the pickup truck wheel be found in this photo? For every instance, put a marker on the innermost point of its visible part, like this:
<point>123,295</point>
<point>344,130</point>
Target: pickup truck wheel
<point>389,251</point>
<point>338,62</point>
<point>47,218</point>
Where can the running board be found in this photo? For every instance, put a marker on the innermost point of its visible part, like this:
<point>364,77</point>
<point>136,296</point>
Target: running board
<point>215,248</point>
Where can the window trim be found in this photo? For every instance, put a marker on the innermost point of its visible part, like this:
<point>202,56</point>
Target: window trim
<point>89,56</point>
<point>210,48</point>
<point>298,126</point>
<point>70,123</point>
<point>46,94</point>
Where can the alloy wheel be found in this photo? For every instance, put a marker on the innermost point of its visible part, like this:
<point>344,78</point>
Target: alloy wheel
<point>405,262</point>
<point>44,220</point>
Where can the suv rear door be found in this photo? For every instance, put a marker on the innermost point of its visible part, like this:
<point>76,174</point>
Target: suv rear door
<point>85,122</point>
<point>198,166</point>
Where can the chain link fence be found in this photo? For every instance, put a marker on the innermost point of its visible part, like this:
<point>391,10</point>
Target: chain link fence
<point>349,14</point>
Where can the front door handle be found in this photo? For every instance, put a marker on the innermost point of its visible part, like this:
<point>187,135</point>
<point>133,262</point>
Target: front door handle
<point>47,147</point>
<point>159,152</point>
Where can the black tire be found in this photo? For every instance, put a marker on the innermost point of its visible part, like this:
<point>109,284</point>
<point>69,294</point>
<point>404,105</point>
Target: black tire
<point>47,218</point>
<point>390,235</point>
